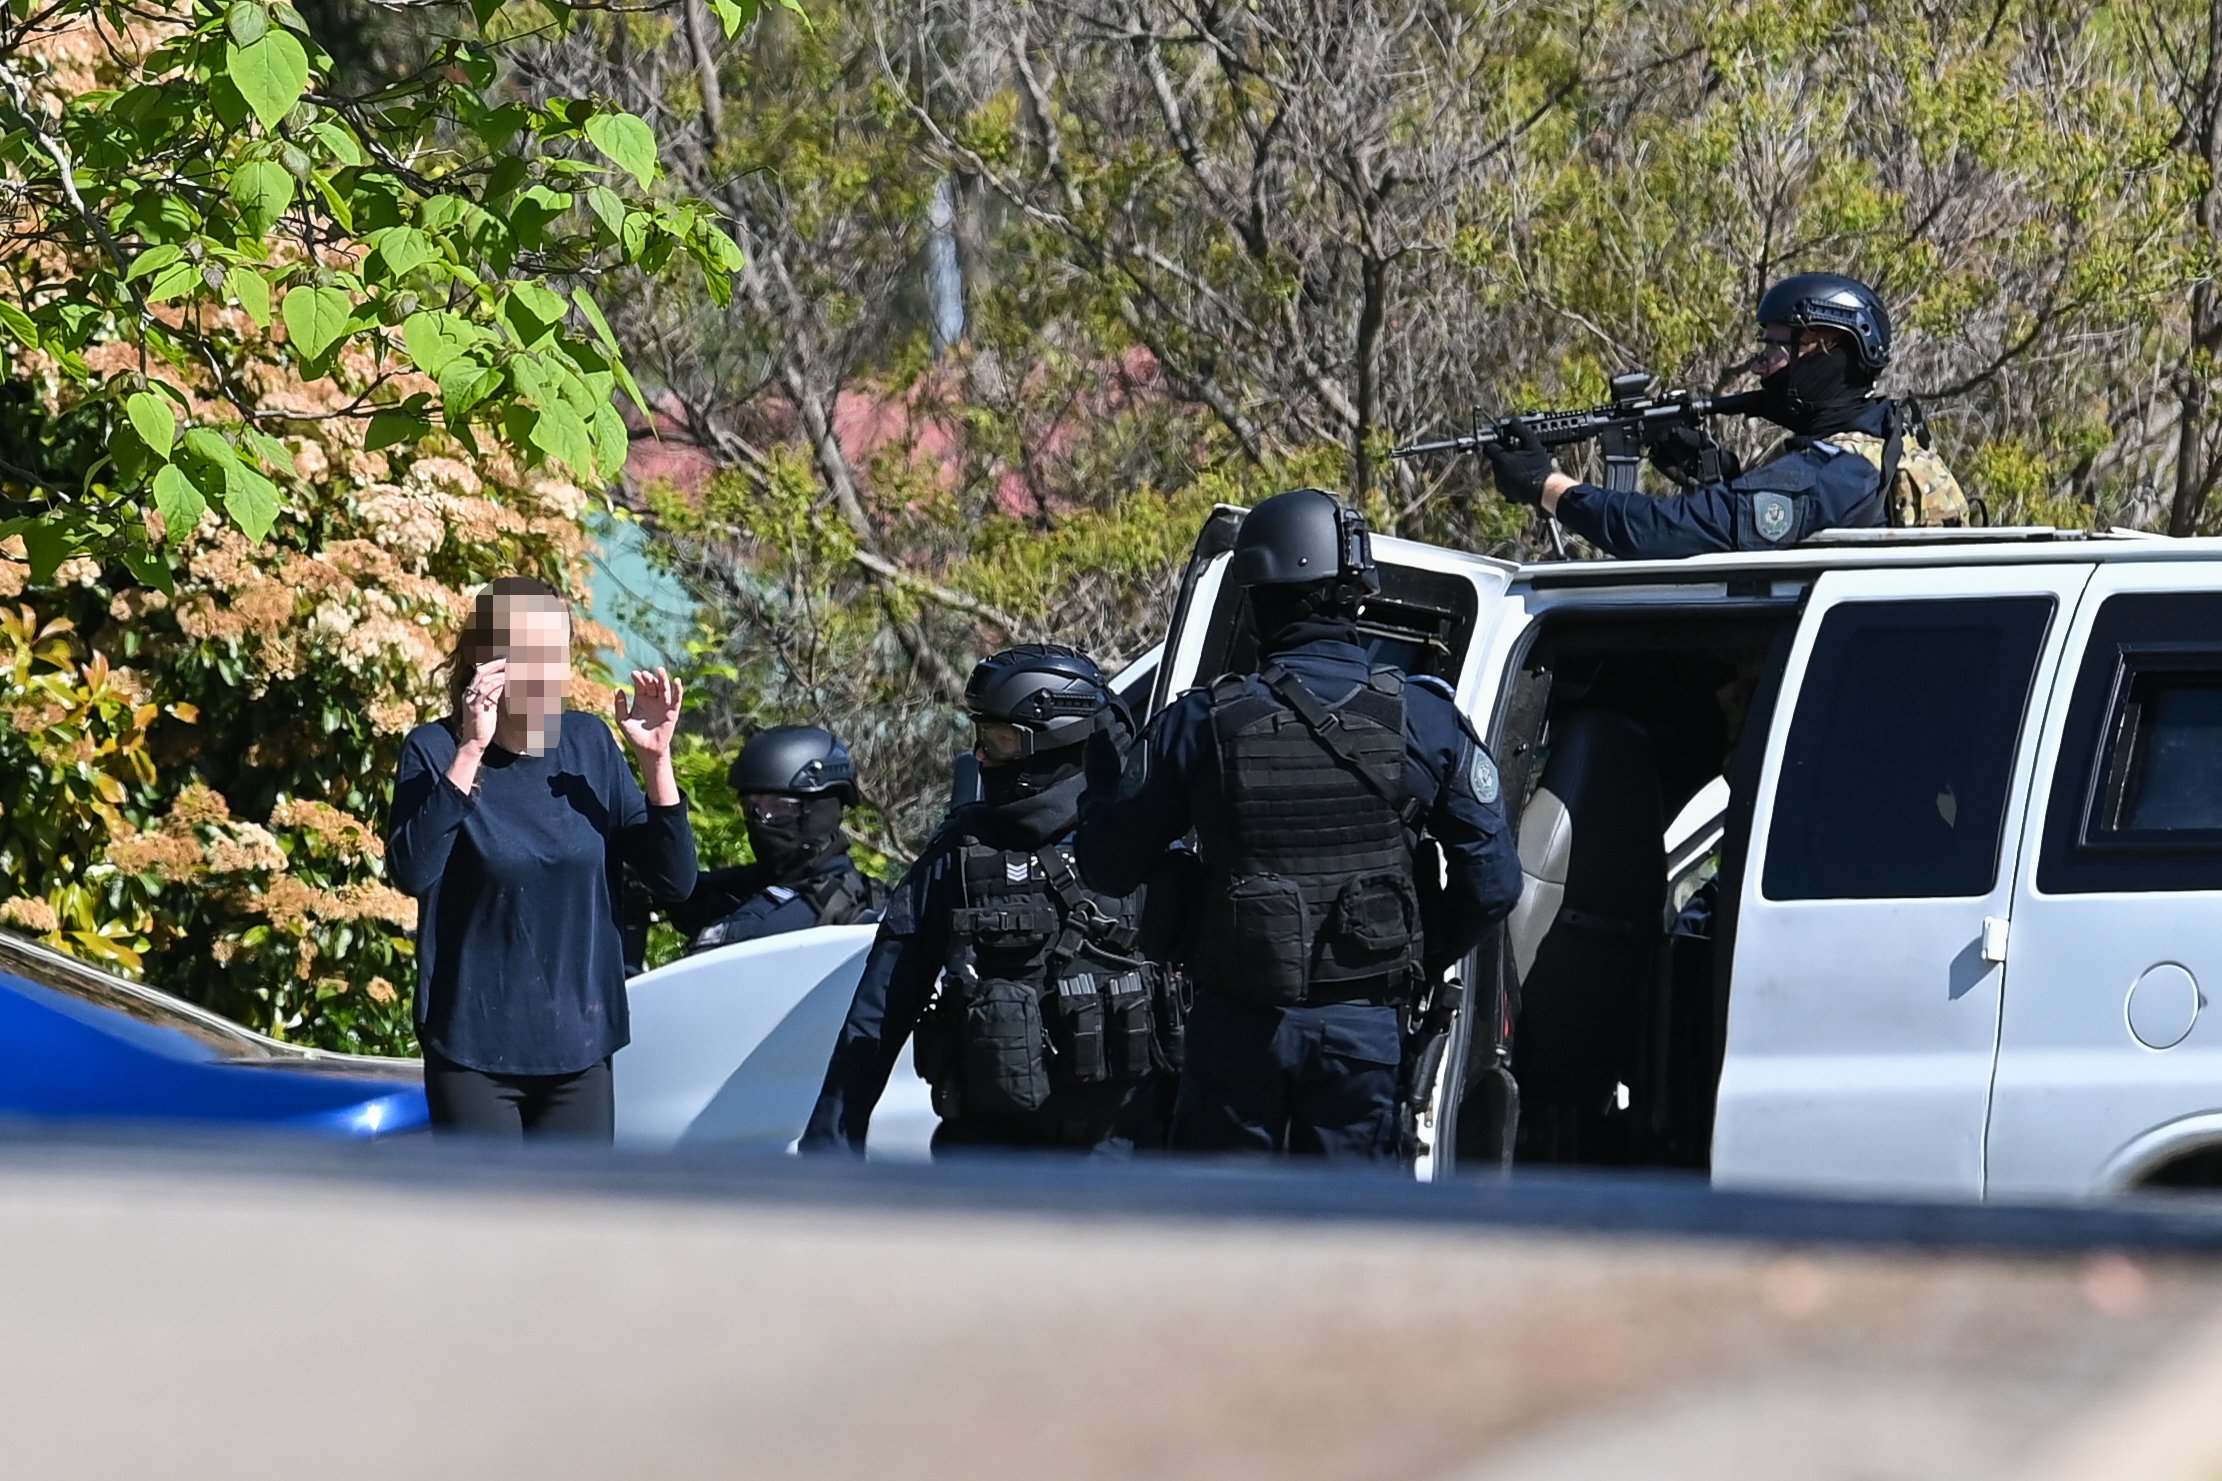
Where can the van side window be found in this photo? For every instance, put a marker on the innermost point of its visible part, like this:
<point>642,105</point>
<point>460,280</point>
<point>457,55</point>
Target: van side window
<point>1901,752</point>
<point>2136,798</point>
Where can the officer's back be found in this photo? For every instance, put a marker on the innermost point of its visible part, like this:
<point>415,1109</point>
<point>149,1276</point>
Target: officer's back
<point>1306,782</point>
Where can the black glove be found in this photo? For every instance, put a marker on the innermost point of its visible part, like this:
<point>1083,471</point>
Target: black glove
<point>1679,452</point>
<point>1108,742</point>
<point>1521,463</point>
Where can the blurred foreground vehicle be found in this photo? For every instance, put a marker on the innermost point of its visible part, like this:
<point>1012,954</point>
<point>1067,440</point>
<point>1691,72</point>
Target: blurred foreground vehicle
<point>79,1044</point>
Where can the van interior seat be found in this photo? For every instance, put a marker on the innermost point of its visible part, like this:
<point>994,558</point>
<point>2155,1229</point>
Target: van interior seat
<point>1589,929</point>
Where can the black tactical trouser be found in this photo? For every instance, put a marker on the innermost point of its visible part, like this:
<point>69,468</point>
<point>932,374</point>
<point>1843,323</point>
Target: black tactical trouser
<point>1105,1124</point>
<point>1321,1079</point>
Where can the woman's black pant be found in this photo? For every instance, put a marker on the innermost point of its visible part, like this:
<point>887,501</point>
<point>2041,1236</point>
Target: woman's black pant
<point>474,1103</point>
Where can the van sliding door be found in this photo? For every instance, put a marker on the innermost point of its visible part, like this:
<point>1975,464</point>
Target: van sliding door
<point>1864,1008</point>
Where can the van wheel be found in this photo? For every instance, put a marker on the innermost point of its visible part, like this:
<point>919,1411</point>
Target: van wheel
<point>2199,1170</point>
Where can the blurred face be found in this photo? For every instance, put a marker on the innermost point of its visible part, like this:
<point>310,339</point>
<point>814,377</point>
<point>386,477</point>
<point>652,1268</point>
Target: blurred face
<point>535,639</point>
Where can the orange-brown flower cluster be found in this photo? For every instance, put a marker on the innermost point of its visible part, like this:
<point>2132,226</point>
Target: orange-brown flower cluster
<point>29,913</point>
<point>338,831</point>
<point>168,855</point>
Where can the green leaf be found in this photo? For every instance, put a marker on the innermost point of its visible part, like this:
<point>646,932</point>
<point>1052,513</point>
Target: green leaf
<point>271,74</point>
<point>592,313</point>
<point>316,318</point>
<point>464,386</point>
<point>629,143</point>
<point>154,259</point>
<point>613,440</point>
<point>181,503</point>
<point>609,208</point>
<point>19,325</point>
<point>271,452</point>
<point>337,141</point>
<point>443,212</point>
<point>176,279</point>
<point>733,15</point>
<point>153,420</point>
<point>253,292</point>
<point>261,190</point>
<point>563,436</point>
<point>47,545</point>
<point>390,427</point>
<point>207,447</point>
<point>532,311</point>
<point>251,500</point>
<point>434,338</point>
<point>247,22</point>
<point>402,250</point>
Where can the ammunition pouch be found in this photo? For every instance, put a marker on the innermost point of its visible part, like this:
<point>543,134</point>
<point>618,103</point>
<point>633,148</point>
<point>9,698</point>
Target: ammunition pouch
<point>1003,1058</point>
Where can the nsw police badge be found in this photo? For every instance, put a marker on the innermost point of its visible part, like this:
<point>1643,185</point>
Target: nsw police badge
<point>1481,777</point>
<point>1773,516</point>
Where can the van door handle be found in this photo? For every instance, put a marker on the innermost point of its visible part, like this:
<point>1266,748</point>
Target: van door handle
<point>1994,939</point>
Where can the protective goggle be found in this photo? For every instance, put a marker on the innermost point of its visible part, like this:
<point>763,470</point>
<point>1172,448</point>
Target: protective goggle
<point>999,742</point>
<point>772,807</point>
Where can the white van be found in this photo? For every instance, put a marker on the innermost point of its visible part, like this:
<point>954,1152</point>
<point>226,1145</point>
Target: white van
<point>1891,862</point>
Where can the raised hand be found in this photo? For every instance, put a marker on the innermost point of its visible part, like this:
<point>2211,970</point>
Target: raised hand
<point>482,702</point>
<point>648,718</point>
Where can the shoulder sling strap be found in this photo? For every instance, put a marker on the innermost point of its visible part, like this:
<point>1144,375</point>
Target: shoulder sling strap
<point>1326,728</point>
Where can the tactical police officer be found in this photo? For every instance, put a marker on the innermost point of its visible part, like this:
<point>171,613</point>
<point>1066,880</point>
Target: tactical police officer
<point>1042,1010</point>
<point>794,782</point>
<point>1824,340</point>
<point>1306,783</point>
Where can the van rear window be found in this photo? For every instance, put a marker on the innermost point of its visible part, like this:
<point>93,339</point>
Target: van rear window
<point>1901,752</point>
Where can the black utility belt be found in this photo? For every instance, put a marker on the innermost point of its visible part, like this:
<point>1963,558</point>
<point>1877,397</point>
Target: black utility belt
<point>1388,992</point>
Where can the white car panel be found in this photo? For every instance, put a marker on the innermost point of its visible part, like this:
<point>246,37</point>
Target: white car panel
<point>730,1047</point>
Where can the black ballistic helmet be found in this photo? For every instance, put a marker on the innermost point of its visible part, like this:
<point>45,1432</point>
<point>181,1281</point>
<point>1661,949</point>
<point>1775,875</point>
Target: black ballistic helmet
<point>1831,301</point>
<point>1051,692</point>
<point>1302,538</point>
<point>798,760</point>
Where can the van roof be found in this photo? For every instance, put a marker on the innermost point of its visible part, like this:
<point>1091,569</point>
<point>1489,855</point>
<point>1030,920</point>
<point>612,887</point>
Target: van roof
<point>1888,548</point>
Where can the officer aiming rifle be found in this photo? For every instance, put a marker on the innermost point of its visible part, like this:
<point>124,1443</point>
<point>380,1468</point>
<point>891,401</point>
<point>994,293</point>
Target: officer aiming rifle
<point>1853,458</point>
<point>1636,420</point>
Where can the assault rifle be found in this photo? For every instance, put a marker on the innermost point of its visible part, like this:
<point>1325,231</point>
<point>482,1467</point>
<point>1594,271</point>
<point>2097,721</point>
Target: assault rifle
<point>1635,419</point>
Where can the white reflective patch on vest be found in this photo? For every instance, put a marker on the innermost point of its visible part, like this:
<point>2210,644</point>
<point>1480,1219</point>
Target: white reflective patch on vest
<point>1773,515</point>
<point>780,893</point>
<point>1481,777</point>
<point>1017,870</point>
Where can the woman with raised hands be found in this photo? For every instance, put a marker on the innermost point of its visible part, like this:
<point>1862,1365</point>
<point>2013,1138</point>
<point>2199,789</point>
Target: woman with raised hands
<point>511,824</point>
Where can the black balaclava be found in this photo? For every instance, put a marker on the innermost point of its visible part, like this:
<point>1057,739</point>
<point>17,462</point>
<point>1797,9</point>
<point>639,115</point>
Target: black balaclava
<point>1818,393</point>
<point>788,849</point>
<point>1290,615</point>
<point>1032,801</point>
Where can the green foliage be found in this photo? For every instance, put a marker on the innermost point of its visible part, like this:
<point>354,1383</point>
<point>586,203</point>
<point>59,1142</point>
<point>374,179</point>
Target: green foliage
<point>172,178</point>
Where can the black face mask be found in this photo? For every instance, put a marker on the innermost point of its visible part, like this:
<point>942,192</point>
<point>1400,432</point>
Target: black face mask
<point>1814,394</point>
<point>1001,786</point>
<point>786,846</point>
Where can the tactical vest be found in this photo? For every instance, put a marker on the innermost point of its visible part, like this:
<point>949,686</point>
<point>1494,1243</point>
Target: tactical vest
<point>1920,489</point>
<point>842,897</point>
<point>1044,990</point>
<point>1311,892</point>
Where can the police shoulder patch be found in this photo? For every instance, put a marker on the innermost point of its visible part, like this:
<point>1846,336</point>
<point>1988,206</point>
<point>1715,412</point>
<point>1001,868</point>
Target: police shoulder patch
<point>1773,516</point>
<point>1481,776</point>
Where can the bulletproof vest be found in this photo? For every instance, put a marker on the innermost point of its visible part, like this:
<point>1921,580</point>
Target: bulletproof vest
<point>1311,894</point>
<point>1921,490</point>
<point>1044,990</point>
<point>842,897</point>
